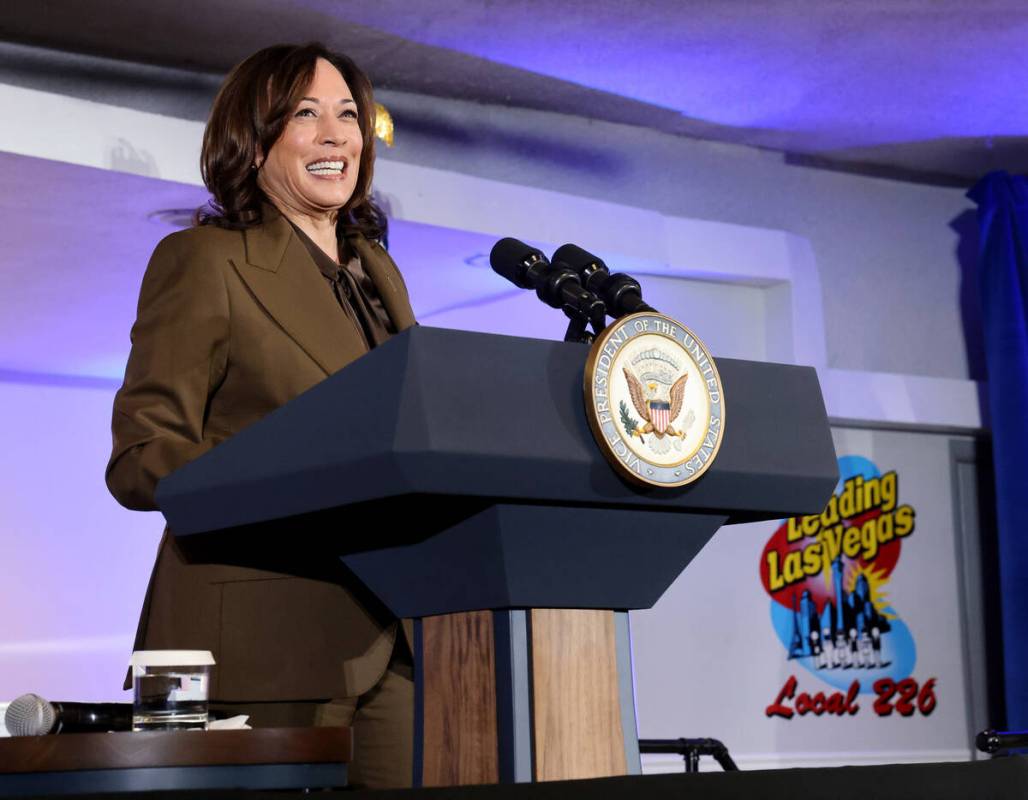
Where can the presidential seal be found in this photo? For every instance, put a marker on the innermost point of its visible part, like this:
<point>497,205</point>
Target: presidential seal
<point>654,400</point>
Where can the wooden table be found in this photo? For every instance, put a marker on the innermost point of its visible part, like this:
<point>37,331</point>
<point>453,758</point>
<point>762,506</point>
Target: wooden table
<point>269,758</point>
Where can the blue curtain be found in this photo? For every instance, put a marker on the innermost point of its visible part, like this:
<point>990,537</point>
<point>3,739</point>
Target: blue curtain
<point>1003,281</point>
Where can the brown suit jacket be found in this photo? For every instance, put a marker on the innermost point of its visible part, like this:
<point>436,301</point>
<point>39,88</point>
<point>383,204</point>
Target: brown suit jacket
<point>230,326</point>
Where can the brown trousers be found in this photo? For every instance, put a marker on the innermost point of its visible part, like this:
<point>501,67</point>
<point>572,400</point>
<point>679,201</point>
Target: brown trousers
<point>382,720</point>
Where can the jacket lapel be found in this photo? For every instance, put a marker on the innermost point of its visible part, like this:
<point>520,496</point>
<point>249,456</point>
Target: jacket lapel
<point>286,282</point>
<point>386,277</point>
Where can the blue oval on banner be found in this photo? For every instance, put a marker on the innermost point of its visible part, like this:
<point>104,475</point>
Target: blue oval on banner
<point>853,640</point>
<point>897,654</point>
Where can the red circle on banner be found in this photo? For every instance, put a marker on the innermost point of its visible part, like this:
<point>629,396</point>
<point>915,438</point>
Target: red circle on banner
<point>820,586</point>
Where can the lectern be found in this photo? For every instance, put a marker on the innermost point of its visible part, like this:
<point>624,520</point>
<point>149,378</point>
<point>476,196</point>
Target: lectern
<point>503,532</point>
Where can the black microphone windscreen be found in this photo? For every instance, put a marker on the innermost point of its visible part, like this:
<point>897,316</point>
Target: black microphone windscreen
<point>509,257</point>
<point>576,258</point>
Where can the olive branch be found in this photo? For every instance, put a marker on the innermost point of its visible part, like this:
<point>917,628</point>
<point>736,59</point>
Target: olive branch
<point>629,422</point>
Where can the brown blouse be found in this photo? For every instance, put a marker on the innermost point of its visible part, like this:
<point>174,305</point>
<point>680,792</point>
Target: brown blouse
<point>354,290</point>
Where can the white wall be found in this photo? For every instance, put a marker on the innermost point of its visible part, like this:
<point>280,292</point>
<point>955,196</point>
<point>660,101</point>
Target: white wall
<point>887,257</point>
<point>73,563</point>
<point>708,662</point>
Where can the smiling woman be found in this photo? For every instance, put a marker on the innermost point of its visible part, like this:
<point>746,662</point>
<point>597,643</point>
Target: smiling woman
<point>312,169</point>
<point>282,282</point>
<point>305,91</point>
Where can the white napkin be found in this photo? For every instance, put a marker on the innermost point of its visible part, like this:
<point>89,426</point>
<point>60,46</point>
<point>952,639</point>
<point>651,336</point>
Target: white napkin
<point>237,723</point>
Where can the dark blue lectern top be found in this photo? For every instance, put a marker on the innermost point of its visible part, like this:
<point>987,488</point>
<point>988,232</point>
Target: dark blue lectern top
<point>475,416</point>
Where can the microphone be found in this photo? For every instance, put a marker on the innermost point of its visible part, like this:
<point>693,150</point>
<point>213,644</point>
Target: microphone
<point>31,715</point>
<point>621,293</point>
<point>990,741</point>
<point>522,265</point>
<point>527,267</point>
<point>557,286</point>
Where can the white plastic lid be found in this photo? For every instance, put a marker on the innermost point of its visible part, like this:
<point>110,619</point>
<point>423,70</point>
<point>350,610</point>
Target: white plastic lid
<point>171,658</point>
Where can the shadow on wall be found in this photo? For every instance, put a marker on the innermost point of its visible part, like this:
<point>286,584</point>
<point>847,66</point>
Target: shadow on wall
<point>479,140</point>
<point>956,161</point>
<point>123,156</point>
<point>181,93</point>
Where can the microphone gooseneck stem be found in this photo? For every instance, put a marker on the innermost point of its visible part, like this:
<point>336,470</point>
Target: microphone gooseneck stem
<point>576,331</point>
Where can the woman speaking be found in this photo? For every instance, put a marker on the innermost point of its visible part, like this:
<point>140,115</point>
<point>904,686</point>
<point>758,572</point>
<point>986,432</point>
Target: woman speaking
<point>282,282</point>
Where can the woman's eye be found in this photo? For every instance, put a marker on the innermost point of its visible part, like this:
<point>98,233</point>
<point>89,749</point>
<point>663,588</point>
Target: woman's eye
<point>305,112</point>
<point>348,114</point>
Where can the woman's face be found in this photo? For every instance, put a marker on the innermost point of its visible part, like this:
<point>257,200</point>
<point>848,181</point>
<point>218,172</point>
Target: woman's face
<point>312,168</point>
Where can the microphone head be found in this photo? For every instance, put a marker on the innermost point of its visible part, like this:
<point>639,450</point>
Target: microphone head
<point>578,259</point>
<point>511,258</point>
<point>29,715</point>
<point>987,741</point>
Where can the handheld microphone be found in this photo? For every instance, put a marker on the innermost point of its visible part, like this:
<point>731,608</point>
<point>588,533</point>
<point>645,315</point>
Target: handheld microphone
<point>559,287</point>
<point>621,293</point>
<point>990,741</point>
<point>31,715</point>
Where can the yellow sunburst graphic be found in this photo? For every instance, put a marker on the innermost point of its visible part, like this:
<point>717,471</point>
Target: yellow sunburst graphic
<point>876,579</point>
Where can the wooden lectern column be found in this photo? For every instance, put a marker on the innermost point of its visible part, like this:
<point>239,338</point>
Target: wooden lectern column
<point>459,679</point>
<point>573,714</point>
<point>576,705</point>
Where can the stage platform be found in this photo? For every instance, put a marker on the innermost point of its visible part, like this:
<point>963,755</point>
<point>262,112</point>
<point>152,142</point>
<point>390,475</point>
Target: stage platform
<point>996,778</point>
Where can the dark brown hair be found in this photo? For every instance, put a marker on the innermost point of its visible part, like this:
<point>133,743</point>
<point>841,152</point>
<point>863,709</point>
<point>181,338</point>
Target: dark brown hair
<point>249,114</point>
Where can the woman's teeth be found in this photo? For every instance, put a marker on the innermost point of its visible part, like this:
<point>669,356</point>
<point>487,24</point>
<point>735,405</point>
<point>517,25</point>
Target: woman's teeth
<point>326,167</point>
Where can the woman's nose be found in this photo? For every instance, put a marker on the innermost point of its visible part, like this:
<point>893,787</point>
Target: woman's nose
<point>333,131</point>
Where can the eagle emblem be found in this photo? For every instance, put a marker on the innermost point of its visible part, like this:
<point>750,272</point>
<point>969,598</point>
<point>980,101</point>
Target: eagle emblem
<point>654,400</point>
<point>658,397</point>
